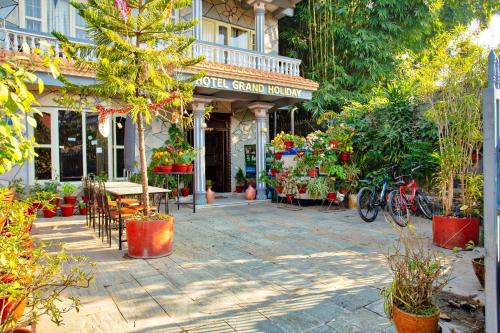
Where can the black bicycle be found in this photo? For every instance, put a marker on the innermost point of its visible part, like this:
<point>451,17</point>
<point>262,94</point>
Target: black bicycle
<point>371,199</point>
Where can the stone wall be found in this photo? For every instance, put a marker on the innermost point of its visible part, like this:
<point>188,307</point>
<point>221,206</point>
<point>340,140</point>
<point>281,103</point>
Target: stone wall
<point>243,132</point>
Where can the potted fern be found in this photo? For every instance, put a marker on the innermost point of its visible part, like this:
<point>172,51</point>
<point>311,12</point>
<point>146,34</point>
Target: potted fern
<point>136,70</point>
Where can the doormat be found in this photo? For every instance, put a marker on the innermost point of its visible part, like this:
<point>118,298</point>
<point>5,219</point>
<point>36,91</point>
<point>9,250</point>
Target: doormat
<point>220,197</point>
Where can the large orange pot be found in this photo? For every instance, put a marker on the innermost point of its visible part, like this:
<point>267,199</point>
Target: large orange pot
<point>409,323</point>
<point>450,232</point>
<point>150,239</point>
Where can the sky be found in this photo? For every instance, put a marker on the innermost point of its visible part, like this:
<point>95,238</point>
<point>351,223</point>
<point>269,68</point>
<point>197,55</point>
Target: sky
<point>490,38</point>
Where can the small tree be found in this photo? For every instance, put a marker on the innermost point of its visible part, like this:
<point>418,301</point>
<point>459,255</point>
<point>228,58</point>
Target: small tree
<point>137,52</point>
<point>452,77</point>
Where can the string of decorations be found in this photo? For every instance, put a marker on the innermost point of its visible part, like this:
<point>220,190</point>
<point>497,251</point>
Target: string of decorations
<point>104,112</point>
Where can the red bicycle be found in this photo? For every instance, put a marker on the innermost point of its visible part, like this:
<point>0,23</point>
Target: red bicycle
<point>408,199</point>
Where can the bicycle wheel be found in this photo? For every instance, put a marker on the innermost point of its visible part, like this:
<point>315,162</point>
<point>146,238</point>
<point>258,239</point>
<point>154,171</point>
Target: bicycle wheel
<point>398,210</point>
<point>424,205</point>
<point>366,204</point>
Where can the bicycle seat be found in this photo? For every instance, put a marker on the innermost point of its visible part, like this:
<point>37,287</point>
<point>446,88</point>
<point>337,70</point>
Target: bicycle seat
<point>399,183</point>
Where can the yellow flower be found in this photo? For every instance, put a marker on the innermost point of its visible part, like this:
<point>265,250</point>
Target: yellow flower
<point>180,153</point>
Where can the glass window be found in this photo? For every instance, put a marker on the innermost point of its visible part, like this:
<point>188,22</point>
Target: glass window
<point>222,36</point>
<point>96,147</point>
<point>208,34</point>
<point>119,147</point>
<point>239,38</point>
<point>80,27</point>
<point>58,16</point>
<point>33,25</point>
<point>70,146</point>
<point>34,8</point>
<point>43,158</point>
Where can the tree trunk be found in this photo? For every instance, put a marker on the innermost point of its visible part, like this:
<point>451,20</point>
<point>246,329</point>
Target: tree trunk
<point>144,167</point>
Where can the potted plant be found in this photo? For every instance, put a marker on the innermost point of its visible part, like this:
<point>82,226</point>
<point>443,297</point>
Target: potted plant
<point>48,202</point>
<point>51,188</point>
<point>210,194</point>
<point>147,66</point>
<point>68,190</point>
<point>302,184</point>
<point>453,86</point>
<point>417,273</point>
<point>186,179</point>
<point>240,181</point>
<point>67,210</point>
<point>275,167</point>
<point>331,194</point>
<point>82,206</point>
<point>317,188</point>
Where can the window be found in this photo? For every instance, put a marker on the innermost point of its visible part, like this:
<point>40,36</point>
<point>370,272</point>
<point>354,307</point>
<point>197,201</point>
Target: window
<point>58,16</point>
<point>43,160</point>
<point>227,34</point>
<point>96,146</point>
<point>70,146</point>
<point>119,146</point>
<point>33,15</point>
<point>80,27</point>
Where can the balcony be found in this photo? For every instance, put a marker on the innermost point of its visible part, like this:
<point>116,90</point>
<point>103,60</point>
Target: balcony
<point>13,40</point>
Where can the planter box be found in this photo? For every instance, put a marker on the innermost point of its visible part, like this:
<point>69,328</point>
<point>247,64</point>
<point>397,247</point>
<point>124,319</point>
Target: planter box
<point>150,239</point>
<point>449,232</point>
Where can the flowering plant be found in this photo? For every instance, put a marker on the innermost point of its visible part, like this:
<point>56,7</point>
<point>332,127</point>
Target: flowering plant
<point>279,140</point>
<point>185,156</point>
<point>316,140</point>
<point>162,156</point>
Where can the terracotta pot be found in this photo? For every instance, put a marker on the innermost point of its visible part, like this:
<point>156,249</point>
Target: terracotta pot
<point>331,196</point>
<point>13,308</point>
<point>150,239</point>
<point>210,196</point>
<point>83,211</point>
<point>67,210</point>
<point>239,188</point>
<point>302,189</point>
<point>166,168</point>
<point>288,144</point>
<point>70,200</point>
<point>278,156</point>
<point>408,323</point>
<point>49,213</point>
<point>273,172</point>
<point>55,202</point>
<point>185,191</point>
<point>250,193</point>
<point>352,201</point>
<point>279,189</point>
<point>300,153</point>
<point>190,168</point>
<point>180,167</point>
<point>334,144</point>
<point>156,168</point>
<point>478,265</point>
<point>450,232</point>
<point>313,172</point>
<point>345,156</point>
<point>289,198</point>
<point>37,205</point>
<point>84,198</point>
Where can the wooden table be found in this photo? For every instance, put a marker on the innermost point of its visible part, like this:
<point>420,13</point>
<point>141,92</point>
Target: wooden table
<point>179,174</point>
<point>122,189</point>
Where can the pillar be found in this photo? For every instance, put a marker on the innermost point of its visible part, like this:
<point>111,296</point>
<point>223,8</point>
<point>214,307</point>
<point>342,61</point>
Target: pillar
<point>199,104</point>
<point>260,111</point>
<point>197,13</point>
<point>260,26</point>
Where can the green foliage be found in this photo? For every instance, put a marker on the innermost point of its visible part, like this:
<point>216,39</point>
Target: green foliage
<point>51,186</point>
<point>17,108</point>
<point>136,61</point>
<point>240,177</point>
<point>351,47</point>
<point>68,189</point>
<point>391,130</point>
<point>317,188</point>
<point>452,75</point>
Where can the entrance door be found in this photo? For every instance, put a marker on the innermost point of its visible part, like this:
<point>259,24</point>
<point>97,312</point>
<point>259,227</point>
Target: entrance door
<point>217,151</point>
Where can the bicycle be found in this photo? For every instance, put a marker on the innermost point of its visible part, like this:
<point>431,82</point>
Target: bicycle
<point>368,201</point>
<point>408,198</point>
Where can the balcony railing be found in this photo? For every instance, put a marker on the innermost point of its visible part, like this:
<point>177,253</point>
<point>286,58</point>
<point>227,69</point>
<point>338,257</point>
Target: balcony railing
<point>248,59</point>
<point>14,40</point>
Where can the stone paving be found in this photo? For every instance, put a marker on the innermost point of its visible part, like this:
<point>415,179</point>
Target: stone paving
<point>252,268</point>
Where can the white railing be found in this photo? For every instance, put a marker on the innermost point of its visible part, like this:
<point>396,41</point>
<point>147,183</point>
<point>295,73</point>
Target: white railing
<point>248,59</point>
<point>15,40</point>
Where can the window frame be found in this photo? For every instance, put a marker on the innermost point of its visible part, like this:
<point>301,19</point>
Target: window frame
<point>215,32</point>
<point>23,17</point>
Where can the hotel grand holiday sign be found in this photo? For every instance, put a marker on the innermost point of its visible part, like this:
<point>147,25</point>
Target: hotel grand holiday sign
<point>252,87</point>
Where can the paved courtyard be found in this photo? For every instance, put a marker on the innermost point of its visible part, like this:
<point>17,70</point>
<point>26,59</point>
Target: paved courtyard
<point>252,268</point>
